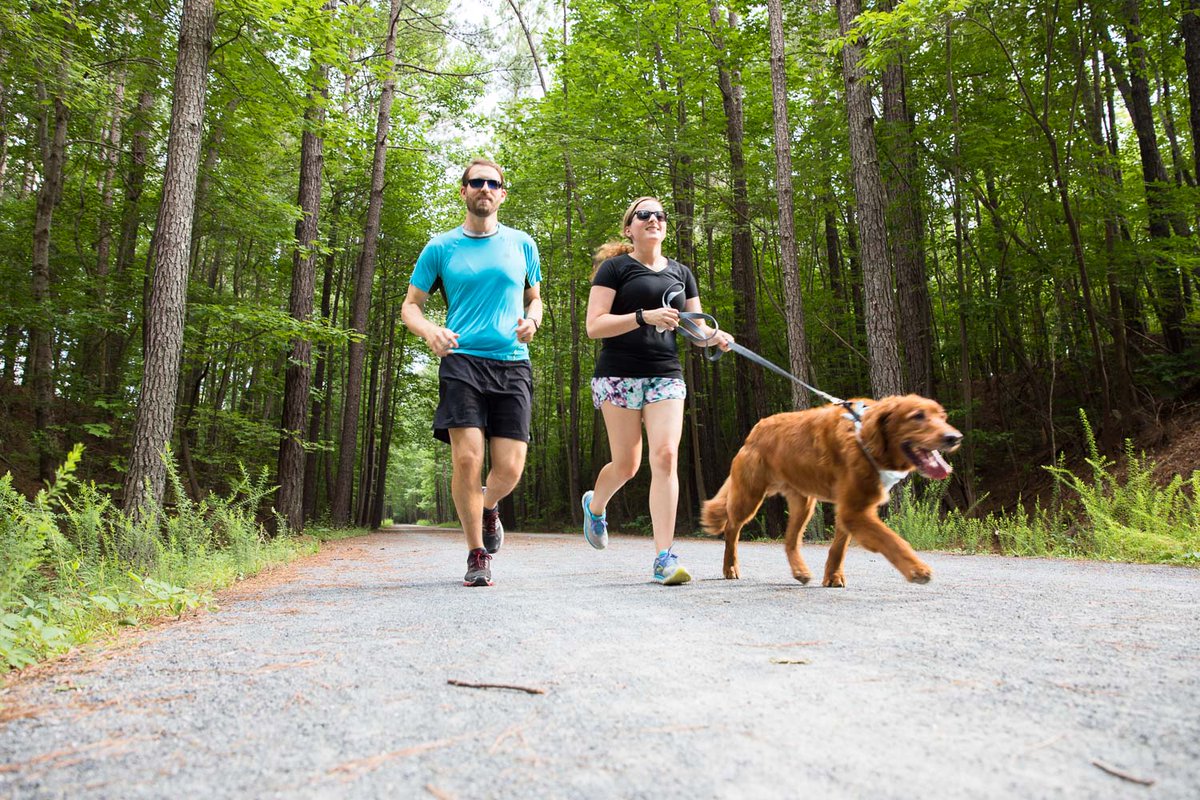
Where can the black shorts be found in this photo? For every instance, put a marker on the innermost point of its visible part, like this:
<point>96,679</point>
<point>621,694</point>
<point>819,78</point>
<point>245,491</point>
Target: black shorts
<point>474,392</point>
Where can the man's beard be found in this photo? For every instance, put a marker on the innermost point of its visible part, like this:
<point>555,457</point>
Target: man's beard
<point>481,207</point>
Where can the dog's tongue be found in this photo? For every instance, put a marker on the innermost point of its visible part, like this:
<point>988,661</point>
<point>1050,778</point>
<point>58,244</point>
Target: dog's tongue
<point>931,464</point>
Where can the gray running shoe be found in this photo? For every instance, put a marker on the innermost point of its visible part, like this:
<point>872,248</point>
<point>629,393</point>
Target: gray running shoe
<point>493,529</point>
<point>479,568</point>
<point>595,529</point>
<point>668,571</point>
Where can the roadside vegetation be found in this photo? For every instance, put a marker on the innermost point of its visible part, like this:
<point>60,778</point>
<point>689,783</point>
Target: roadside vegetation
<point>1111,512</point>
<point>74,567</point>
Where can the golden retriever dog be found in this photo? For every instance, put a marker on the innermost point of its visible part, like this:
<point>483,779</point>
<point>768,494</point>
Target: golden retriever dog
<point>825,454</point>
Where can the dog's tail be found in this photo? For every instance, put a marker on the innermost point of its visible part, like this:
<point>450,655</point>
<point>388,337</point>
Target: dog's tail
<point>714,514</point>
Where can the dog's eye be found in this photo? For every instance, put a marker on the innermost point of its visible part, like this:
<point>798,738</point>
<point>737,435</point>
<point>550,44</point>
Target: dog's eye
<point>919,416</point>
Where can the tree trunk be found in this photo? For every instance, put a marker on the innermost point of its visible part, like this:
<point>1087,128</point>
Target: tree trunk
<point>1136,91</point>
<point>907,228</point>
<point>966,472</point>
<point>320,392</point>
<point>1190,26</point>
<point>751,395</point>
<point>784,193</point>
<point>364,280</point>
<point>93,348</point>
<point>52,143</point>
<point>290,499</point>
<point>387,420</point>
<point>116,338</point>
<point>878,299</point>
<point>146,478</point>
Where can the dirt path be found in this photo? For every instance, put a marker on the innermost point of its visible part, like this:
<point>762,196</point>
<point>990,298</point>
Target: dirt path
<point>1011,678</point>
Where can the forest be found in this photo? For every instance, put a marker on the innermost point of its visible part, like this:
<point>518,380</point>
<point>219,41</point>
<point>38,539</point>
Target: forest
<point>210,210</point>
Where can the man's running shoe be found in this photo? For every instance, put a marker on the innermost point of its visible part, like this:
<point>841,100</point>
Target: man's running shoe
<point>479,568</point>
<point>595,528</point>
<point>668,571</point>
<point>493,530</point>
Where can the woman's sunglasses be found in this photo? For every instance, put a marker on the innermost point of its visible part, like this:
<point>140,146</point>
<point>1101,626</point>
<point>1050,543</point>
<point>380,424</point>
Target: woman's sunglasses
<point>479,183</point>
<point>661,216</point>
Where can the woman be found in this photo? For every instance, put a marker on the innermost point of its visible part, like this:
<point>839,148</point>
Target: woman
<point>634,304</point>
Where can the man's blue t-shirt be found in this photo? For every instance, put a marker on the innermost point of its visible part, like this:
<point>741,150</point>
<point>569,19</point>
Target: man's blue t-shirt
<point>484,280</point>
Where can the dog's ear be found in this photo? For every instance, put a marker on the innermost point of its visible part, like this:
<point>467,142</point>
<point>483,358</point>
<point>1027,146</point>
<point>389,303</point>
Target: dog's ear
<point>875,430</point>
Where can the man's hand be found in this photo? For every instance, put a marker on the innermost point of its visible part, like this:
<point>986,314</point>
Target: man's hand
<point>442,341</point>
<point>525,330</point>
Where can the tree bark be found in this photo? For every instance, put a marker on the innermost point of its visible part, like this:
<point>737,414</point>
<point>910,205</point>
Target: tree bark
<point>967,464</point>
<point>751,395</point>
<point>319,392</point>
<point>1135,88</point>
<point>52,144</point>
<point>361,304</point>
<point>784,194</point>
<point>1190,26</point>
<point>907,228</point>
<point>878,299</point>
<point>146,478</point>
<point>297,380</point>
<point>135,179</point>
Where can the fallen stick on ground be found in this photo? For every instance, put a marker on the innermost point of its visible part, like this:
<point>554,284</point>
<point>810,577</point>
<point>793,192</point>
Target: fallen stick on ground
<point>526,689</point>
<point>1111,770</point>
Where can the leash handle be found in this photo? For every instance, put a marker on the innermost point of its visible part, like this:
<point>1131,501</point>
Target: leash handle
<point>691,330</point>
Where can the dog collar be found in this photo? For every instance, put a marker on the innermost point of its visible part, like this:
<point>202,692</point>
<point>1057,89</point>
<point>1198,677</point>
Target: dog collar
<point>887,477</point>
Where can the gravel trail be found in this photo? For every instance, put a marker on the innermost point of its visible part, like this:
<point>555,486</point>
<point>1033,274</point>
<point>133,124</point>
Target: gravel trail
<point>1004,677</point>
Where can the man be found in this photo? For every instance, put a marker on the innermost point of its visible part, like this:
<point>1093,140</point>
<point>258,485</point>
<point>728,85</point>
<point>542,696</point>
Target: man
<point>490,275</point>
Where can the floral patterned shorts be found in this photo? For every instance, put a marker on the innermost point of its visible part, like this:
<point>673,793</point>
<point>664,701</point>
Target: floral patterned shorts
<point>634,393</point>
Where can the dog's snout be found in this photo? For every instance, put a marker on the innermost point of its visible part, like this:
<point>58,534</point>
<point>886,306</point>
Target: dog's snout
<point>952,440</point>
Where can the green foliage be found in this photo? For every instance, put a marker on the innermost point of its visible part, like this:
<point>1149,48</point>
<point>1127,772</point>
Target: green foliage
<point>1111,513</point>
<point>73,566</point>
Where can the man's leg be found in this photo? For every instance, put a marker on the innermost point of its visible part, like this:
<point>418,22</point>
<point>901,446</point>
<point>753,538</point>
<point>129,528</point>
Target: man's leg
<point>508,462</point>
<point>466,455</point>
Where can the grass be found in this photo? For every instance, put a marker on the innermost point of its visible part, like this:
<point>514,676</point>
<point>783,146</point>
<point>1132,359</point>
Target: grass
<point>1106,514</point>
<point>73,567</point>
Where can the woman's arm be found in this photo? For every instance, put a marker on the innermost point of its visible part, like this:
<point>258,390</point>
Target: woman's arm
<point>603,324</point>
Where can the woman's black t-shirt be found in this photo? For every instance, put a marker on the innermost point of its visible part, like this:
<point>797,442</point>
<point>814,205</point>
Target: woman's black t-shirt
<point>643,352</point>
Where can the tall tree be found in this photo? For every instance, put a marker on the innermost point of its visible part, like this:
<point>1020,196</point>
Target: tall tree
<point>751,400</point>
<point>1190,26</point>
<point>784,193</point>
<point>52,145</point>
<point>879,302</point>
<point>146,478</point>
<point>906,226</point>
<point>363,283</point>
<point>1135,88</point>
<point>290,500</point>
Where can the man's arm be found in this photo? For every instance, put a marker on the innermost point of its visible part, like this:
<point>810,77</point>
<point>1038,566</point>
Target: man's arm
<point>441,341</point>
<point>532,321</point>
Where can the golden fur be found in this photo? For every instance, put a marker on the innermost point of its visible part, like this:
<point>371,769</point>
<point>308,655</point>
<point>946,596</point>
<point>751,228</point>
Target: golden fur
<point>814,455</point>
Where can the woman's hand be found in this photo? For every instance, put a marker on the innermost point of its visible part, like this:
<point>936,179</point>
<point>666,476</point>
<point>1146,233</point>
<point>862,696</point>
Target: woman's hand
<point>663,319</point>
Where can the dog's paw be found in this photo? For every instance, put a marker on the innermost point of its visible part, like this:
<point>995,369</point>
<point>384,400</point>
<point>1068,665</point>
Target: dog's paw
<point>835,581</point>
<point>920,574</point>
<point>731,573</point>
<point>803,577</point>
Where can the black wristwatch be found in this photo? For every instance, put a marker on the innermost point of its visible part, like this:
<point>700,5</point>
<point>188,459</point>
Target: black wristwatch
<point>641,321</point>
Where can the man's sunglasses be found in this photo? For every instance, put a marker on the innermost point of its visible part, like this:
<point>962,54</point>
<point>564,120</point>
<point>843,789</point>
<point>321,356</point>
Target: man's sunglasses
<point>661,216</point>
<point>479,183</point>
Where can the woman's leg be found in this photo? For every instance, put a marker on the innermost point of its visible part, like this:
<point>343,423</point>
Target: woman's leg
<point>664,427</point>
<point>624,428</point>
